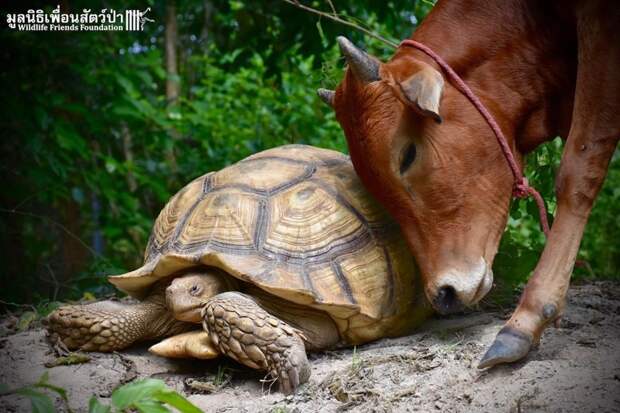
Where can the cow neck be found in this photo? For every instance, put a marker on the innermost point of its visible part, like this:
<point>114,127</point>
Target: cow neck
<point>531,108</point>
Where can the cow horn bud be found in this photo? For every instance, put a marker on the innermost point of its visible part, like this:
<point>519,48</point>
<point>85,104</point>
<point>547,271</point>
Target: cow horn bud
<point>326,96</point>
<point>363,66</point>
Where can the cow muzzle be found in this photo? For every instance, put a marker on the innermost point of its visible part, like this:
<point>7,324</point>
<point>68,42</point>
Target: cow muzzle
<point>457,288</point>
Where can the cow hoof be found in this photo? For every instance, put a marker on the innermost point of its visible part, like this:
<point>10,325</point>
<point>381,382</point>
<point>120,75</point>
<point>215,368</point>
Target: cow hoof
<point>509,345</point>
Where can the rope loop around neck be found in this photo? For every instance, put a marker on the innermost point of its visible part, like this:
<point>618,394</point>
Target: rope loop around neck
<point>521,188</point>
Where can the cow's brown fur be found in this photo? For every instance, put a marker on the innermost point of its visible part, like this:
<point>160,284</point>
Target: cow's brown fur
<point>543,69</point>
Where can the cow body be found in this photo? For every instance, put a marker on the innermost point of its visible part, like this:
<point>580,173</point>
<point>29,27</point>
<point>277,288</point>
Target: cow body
<point>543,69</point>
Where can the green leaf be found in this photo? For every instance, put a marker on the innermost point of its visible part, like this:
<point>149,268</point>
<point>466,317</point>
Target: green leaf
<point>151,406</point>
<point>149,396</point>
<point>319,27</point>
<point>39,401</point>
<point>69,139</point>
<point>126,84</point>
<point>125,110</point>
<point>43,379</point>
<point>95,406</point>
<point>44,384</point>
<point>61,392</point>
<point>26,319</point>
<point>131,393</point>
<point>174,399</point>
<point>71,359</point>
<point>236,5</point>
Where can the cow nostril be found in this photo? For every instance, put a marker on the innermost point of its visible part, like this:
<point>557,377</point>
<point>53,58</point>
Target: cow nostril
<point>446,293</point>
<point>447,301</point>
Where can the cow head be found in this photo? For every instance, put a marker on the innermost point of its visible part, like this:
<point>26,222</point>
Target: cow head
<point>424,152</point>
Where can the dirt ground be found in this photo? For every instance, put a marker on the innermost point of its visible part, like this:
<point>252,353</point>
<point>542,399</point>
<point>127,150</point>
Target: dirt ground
<point>576,369</point>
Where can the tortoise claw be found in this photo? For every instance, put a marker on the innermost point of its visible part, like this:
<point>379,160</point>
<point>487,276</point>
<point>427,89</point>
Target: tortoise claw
<point>509,345</point>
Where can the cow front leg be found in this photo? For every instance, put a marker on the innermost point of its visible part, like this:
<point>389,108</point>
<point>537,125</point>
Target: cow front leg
<point>582,172</point>
<point>594,134</point>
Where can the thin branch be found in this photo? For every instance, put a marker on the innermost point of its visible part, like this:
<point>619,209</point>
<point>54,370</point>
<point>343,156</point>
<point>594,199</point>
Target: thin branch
<point>337,19</point>
<point>55,223</point>
<point>55,283</point>
<point>331,5</point>
<point>28,198</point>
<point>30,306</point>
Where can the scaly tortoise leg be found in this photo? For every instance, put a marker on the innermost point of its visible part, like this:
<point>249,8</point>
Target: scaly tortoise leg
<point>110,326</point>
<point>243,330</point>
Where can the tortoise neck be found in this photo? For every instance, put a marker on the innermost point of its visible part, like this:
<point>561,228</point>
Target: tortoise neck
<point>156,318</point>
<point>158,321</point>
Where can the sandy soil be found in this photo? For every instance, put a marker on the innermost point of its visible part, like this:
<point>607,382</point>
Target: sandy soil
<point>576,369</point>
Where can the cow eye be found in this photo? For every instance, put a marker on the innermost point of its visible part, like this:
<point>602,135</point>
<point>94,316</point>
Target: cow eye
<point>407,158</point>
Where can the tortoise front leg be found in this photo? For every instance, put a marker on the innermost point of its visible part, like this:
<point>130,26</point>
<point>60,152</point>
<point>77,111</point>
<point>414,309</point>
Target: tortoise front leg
<point>110,326</point>
<point>243,330</point>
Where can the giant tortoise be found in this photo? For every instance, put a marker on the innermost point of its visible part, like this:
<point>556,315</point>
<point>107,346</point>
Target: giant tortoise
<point>280,253</point>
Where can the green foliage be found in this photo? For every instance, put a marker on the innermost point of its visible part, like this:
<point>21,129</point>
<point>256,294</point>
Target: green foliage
<point>40,402</point>
<point>222,376</point>
<point>95,406</point>
<point>600,246</point>
<point>95,150</point>
<point>68,360</point>
<point>145,396</point>
<point>25,320</point>
<point>356,360</point>
<point>524,240</point>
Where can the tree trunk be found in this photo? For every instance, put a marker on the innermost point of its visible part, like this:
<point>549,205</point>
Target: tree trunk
<point>208,5</point>
<point>172,35</point>
<point>128,152</point>
<point>73,253</point>
<point>192,70</point>
<point>172,76</point>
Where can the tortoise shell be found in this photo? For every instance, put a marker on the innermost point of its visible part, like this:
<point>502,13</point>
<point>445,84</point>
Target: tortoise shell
<point>296,222</point>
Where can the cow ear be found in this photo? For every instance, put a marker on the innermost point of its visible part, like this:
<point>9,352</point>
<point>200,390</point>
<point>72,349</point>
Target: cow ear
<point>422,91</point>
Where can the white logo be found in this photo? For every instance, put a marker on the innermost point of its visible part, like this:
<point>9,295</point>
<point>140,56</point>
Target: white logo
<point>105,20</point>
<point>135,19</point>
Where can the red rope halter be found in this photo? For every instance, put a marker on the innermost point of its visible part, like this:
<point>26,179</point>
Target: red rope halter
<point>521,188</point>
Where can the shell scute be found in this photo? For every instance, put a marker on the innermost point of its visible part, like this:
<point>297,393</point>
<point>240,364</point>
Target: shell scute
<point>257,175</point>
<point>228,218</point>
<point>306,221</point>
<point>172,214</point>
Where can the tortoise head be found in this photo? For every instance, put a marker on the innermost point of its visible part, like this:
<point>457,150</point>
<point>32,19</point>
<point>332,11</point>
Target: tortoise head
<point>187,294</point>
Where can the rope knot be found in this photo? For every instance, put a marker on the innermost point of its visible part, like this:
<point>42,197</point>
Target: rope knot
<point>521,188</point>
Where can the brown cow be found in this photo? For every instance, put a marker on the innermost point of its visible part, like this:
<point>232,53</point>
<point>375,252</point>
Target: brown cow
<point>542,68</point>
